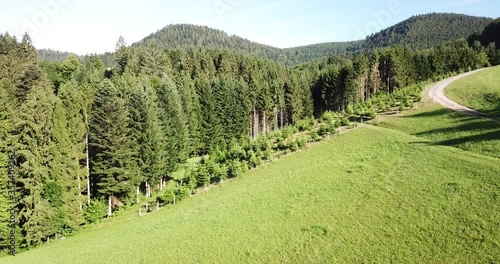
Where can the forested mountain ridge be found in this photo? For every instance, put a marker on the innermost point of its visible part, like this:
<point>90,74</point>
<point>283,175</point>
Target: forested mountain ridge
<point>192,36</point>
<point>427,31</point>
<point>52,55</point>
<point>418,32</point>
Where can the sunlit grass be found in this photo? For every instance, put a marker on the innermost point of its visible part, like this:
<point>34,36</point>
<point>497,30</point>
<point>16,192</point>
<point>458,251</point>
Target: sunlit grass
<point>480,91</point>
<point>370,195</point>
<point>446,127</point>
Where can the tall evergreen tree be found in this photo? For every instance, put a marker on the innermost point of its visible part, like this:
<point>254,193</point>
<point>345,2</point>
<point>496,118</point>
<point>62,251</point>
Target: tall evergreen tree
<point>114,169</point>
<point>173,121</point>
<point>34,143</point>
<point>149,135</point>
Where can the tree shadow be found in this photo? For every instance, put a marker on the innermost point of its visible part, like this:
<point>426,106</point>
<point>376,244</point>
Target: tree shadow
<point>493,135</point>
<point>465,132</point>
<point>435,113</point>
<point>470,126</point>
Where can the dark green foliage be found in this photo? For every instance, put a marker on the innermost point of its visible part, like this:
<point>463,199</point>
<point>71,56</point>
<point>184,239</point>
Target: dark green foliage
<point>173,121</point>
<point>345,121</point>
<point>95,211</point>
<point>183,192</point>
<point>419,32</point>
<point>491,33</point>
<point>114,168</point>
<point>52,192</point>
<point>174,36</point>
<point>149,135</point>
<point>202,176</point>
<point>426,31</point>
<point>235,169</point>
<point>52,55</point>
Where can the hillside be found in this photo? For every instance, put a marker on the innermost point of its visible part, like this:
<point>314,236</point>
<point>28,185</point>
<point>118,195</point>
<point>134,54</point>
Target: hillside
<point>192,36</point>
<point>418,32</point>
<point>426,31</point>
<point>52,55</point>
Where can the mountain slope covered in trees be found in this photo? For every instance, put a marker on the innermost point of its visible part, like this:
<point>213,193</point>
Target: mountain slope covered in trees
<point>192,36</point>
<point>418,32</point>
<point>426,31</point>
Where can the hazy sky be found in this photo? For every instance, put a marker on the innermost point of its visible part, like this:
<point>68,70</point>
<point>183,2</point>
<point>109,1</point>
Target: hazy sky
<point>88,26</point>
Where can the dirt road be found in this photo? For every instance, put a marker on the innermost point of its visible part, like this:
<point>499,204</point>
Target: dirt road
<point>437,95</point>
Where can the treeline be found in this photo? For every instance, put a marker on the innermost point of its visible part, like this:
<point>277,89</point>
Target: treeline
<point>52,55</point>
<point>89,137</point>
<point>341,81</point>
<point>488,41</point>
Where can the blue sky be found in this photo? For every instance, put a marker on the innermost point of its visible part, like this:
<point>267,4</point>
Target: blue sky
<point>88,26</point>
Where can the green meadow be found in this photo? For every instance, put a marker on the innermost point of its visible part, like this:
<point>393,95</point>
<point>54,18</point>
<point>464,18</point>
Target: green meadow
<point>402,194</point>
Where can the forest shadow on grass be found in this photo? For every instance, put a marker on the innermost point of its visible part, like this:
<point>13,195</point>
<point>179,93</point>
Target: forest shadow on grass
<point>448,128</point>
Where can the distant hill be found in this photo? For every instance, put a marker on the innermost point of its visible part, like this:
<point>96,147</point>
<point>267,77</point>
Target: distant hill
<point>298,55</point>
<point>426,31</point>
<point>192,36</point>
<point>52,55</point>
<point>418,32</point>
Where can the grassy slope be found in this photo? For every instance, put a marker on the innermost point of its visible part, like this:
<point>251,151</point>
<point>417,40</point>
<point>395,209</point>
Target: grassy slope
<point>446,127</point>
<point>480,91</point>
<point>371,195</point>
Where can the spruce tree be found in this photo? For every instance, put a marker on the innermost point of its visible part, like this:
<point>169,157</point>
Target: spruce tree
<point>173,120</point>
<point>33,141</point>
<point>113,166</point>
<point>149,135</point>
<point>191,109</point>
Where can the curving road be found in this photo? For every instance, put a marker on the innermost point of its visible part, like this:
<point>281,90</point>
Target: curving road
<point>437,95</point>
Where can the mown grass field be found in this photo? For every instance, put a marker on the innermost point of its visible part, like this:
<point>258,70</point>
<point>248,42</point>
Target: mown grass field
<point>480,91</point>
<point>370,195</point>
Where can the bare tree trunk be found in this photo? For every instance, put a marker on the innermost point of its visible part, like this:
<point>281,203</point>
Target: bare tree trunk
<point>264,122</point>
<point>281,116</point>
<point>80,192</point>
<point>276,118</point>
<point>251,126</point>
<point>110,210</point>
<point>87,162</point>
<point>256,124</point>
<point>161,184</point>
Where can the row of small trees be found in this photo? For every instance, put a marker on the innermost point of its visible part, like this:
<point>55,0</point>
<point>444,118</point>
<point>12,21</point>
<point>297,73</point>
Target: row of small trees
<point>231,161</point>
